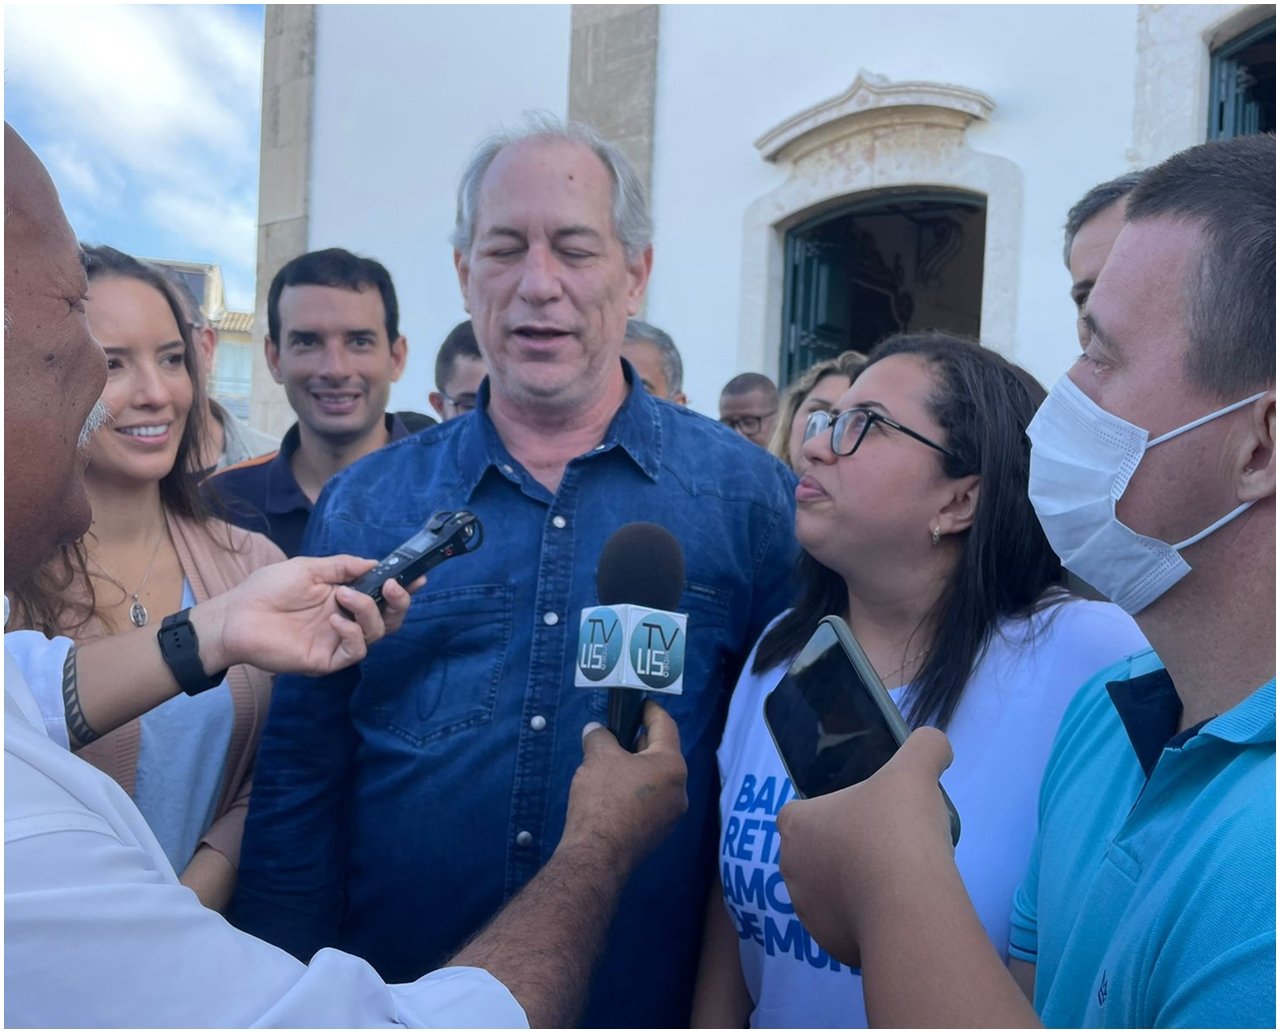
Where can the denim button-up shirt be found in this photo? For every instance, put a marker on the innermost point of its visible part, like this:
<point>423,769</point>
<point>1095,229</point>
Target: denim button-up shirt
<point>397,805</point>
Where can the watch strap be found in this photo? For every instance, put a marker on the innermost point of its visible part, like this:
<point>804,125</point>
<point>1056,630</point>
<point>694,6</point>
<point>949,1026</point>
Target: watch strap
<point>180,649</point>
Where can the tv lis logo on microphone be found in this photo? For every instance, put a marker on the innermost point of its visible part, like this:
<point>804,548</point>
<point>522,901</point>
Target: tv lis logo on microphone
<point>653,657</point>
<point>599,643</point>
<point>656,649</point>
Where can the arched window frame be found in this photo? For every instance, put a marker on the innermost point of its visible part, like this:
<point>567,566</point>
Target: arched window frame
<point>877,135</point>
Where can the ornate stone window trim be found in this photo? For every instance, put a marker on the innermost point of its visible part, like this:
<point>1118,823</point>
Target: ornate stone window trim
<point>877,136</point>
<point>873,102</point>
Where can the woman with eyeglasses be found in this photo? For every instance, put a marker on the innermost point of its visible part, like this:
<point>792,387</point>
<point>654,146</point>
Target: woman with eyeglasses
<point>916,529</point>
<point>153,550</point>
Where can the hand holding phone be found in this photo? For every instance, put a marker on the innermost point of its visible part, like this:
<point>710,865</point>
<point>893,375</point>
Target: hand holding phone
<point>831,718</point>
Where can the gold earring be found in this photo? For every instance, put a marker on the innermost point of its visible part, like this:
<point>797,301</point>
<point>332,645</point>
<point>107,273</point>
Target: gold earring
<point>935,535</point>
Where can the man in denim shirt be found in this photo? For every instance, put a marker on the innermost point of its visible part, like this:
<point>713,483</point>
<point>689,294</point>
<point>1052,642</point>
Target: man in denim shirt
<point>396,807</point>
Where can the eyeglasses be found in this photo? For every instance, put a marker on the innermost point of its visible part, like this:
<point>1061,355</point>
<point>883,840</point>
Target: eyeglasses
<point>746,424</point>
<point>463,403</point>
<point>852,426</point>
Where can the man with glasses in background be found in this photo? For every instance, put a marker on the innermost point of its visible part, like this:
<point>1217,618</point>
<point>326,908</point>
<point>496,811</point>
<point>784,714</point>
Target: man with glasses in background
<point>460,370</point>
<point>749,406</point>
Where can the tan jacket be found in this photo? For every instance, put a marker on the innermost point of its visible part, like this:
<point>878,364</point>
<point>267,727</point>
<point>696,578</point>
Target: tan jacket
<point>212,568</point>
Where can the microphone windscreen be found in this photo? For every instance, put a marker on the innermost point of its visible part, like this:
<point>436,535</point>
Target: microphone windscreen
<point>642,564</point>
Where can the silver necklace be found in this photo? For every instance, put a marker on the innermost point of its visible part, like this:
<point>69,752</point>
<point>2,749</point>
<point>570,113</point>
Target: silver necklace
<point>137,612</point>
<point>903,666</point>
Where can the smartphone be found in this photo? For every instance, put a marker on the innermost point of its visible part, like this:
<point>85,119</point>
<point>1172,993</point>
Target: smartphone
<point>832,720</point>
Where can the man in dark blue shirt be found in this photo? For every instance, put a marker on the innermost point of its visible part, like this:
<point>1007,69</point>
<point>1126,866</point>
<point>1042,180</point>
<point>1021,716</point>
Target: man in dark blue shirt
<point>334,343</point>
<point>396,807</point>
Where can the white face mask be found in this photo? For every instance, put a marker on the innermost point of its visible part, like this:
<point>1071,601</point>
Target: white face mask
<point>1082,458</point>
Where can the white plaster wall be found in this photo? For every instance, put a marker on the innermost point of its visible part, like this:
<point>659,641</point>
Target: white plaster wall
<point>727,74</point>
<point>403,95</point>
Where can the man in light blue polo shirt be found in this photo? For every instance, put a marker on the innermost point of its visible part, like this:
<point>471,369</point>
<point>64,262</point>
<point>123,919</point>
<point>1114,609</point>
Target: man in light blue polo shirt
<point>1150,900</point>
<point>1175,927</point>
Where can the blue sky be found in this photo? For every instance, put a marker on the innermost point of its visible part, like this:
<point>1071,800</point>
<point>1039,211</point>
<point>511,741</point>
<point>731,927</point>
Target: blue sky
<point>147,117</point>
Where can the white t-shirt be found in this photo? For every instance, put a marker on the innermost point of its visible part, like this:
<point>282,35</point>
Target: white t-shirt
<point>1001,733</point>
<point>98,931</point>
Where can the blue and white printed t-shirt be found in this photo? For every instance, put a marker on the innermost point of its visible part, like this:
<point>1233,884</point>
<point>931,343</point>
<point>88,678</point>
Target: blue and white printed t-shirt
<point>1001,733</point>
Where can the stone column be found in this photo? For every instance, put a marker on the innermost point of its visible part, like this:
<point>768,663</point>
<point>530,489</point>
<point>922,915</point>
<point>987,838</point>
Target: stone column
<point>288,79</point>
<point>613,76</point>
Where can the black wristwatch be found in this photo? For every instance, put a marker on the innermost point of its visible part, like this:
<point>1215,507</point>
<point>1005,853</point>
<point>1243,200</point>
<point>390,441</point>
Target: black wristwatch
<point>180,649</point>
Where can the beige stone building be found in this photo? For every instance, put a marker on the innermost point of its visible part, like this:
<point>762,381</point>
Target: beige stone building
<point>819,175</point>
<point>233,363</point>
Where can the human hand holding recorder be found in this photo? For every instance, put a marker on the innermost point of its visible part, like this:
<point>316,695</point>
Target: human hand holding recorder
<point>300,615</point>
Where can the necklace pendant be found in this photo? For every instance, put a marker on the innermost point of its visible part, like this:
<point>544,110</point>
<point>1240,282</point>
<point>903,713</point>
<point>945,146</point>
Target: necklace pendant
<point>138,613</point>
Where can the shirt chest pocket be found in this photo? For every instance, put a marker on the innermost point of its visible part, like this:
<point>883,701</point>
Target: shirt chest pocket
<point>439,674</point>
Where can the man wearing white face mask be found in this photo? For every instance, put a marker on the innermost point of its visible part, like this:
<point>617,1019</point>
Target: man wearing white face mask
<point>1150,899</point>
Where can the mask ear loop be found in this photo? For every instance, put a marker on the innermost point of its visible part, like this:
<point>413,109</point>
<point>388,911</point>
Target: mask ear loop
<point>1192,426</point>
<point>1214,526</point>
<point>1205,419</point>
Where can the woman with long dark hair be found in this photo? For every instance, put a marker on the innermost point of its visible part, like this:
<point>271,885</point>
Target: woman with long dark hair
<point>916,528</point>
<point>152,550</point>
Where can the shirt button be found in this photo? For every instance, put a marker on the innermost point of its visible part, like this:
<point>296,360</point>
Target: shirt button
<point>550,618</point>
<point>524,838</point>
<point>598,448</point>
<point>538,723</point>
<point>508,468</point>
<point>558,521</point>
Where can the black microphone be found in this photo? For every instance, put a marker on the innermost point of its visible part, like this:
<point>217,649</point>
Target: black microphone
<point>633,641</point>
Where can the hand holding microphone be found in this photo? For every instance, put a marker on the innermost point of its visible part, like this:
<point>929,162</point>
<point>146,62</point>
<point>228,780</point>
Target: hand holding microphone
<point>634,642</point>
<point>622,804</point>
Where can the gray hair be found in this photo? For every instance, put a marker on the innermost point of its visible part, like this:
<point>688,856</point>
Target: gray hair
<point>99,416</point>
<point>630,206</point>
<point>1101,197</point>
<point>672,366</point>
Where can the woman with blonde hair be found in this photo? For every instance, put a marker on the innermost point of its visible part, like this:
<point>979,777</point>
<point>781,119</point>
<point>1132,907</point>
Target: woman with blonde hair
<point>816,389</point>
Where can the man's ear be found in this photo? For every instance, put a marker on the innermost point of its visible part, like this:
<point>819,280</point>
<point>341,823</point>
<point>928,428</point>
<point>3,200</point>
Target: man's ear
<point>437,402</point>
<point>957,513</point>
<point>272,352</point>
<point>399,354</point>
<point>638,275</point>
<point>463,267</point>
<point>1256,454</point>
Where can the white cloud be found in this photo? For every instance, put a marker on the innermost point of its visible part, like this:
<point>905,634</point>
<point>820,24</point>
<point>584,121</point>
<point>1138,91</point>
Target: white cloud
<point>151,110</point>
<point>223,226</point>
<point>118,76</point>
<point>72,170</point>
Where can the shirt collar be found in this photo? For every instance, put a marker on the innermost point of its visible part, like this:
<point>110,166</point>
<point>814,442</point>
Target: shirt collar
<point>1150,709</point>
<point>396,427</point>
<point>1252,720</point>
<point>636,429</point>
<point>283,493</point>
